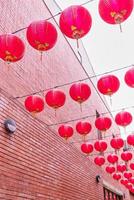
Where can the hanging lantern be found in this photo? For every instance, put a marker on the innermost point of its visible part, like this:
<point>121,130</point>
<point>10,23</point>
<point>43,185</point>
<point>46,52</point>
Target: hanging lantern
<point>34,104</point>
<point>126,156</point>
<point>129,77</point>
<point>65,131</point>
<point>83,128</point>
<point>121,167</point>
<point>87,148</point>
<point>110,169</point>
<point>131,180</point>
<point>112,158</point>
<point>117,176</point>
<point>124,181</point>
<point>41,35</point>
<point>108,85</point>
<point>123,118</point>
<point>132,166</point>
<point>117,143</point>
<point>115,11</point>
<point>11,48</point>
<point>127,174</point>
<point>80,92</point>
<point>100,145</point>
<point>103,123</point>
<point>99,160</point>
<point>75,21</point>
<point>130,140</point>
<point>55,98</point>
<point>129,186</point>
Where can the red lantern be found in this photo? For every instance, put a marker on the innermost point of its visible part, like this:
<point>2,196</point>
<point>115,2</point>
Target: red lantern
<point>112,158</point>
<point>108,85</point>
<point>124,181</point>
<point>100,145</point>
<point>65,131</point>
<point>75,22</point>
<point>87,148</point>
<point>126,156</point>
<point>55,98</point>
<point>103,123</point>
<point>11,48</point>
<point>115,11</point>
<point>130,140</point>
<point>123,118</point>
<point>34,104</point>
<point>99,160</point>
<point>121,167</point>
<point>41,35</point>
<point>117,143</point>
<point>129,77</point>
<point>80,92</point>
<point>132,189</point>
<point>132,166</point>
<point>110,169</point>
<point>83,128</point>
<point>127,174</point>
<point>131,180</point>
<point>129,186</point>
<point>117,176</point>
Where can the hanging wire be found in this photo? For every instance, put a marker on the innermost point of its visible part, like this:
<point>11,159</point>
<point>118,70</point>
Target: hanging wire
<point>69,83</point>
<point>91,116</point>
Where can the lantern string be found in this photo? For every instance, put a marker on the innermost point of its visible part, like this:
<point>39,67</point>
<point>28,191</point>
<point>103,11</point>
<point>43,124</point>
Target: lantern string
<point>69,83</point>
<point>91,116</point>
<point>49,18</point>
<point>120,27</point>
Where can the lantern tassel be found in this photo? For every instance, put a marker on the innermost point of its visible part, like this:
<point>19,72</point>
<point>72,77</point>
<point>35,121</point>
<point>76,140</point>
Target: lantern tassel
<point>41,55</point>
<point>110,100</point>
<point>80,107</point>
<point>55,113</point>
<point>79,51</point>
<point>120,27</point>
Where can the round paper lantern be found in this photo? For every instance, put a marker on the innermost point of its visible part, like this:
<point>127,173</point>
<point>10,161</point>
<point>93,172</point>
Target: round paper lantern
<point>99,160</point>
<point>123,118</point>
<point>132,166</point>
<point>112,158</point>
<point>121,167</point>
<point>124,181</point>
<point>11,48</point>
<point>115,11</point>
<point>83,128</point>
<point>108,85</point>
<point>75,21</point>
<point>80,92</point>
<point>110,169</point>
<point>127,174</point>
<point>41,35</point>
<point>87,148</point>
<point>103,123</point>
<point>34,104</point>
<point>129,186</point>
<point>130,139</point>
<point>131,180</point>
<point>65,131</point>
<point>55,98</point>
<point>129,77</point>
<point>126,156</point>
<point>100,145</point>
<point>132,189</point>
<point>117,143</point>
<point>117,176</point>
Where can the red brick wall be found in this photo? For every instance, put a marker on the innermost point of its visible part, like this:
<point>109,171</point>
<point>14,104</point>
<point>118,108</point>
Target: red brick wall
<point>36,164</point>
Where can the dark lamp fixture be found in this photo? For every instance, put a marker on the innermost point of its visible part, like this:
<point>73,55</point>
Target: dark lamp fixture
<point>10,125</point>
<point>98,177</point>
